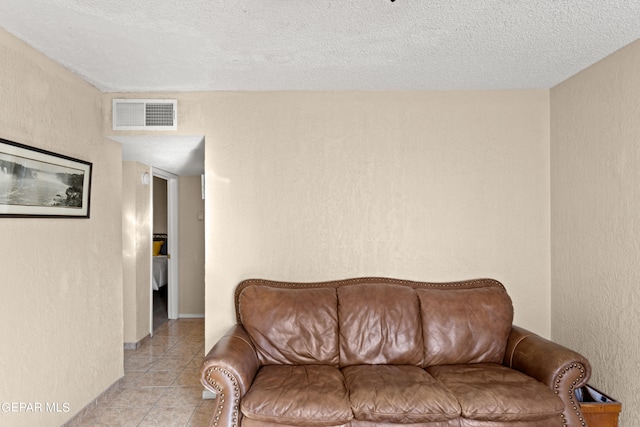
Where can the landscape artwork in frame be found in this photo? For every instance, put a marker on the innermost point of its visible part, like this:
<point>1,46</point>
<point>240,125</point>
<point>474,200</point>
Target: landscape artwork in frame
<point>39,183</point>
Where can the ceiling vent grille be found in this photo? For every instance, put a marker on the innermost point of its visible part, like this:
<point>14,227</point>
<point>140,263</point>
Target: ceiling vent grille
<point>145,114</point>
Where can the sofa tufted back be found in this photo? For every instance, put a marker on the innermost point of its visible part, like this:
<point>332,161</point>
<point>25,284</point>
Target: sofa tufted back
<point>376,321</point>
<point>461,326</point>
<point>296,326</point>
<point>379,324</point>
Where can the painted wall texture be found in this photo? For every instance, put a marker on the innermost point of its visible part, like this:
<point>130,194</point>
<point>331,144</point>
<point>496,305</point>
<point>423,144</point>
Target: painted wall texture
<point>595,221</point>
<point>192,238</point>
<point>136,252</point>
<point>432,186</point>
<point>61,281</point>
<point>418,185</point>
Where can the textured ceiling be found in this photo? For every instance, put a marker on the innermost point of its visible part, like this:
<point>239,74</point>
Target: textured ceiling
<point>202,45</point>
<point>194,45</point>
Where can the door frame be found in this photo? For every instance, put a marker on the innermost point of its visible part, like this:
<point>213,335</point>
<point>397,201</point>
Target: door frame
<point>173,239</point>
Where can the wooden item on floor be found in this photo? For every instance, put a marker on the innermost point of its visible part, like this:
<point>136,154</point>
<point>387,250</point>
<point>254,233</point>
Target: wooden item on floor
<point>599,410</point>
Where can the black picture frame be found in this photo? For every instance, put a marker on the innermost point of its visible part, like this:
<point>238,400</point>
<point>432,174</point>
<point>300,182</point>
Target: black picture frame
<point>41,184</point>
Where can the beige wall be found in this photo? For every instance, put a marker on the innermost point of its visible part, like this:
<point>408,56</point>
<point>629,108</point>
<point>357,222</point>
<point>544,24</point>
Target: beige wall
<point>595,189</point>
<point>136,252</point>
<point>192,237</point>
<point>420,185</point>
<point>129,253</point>
<point>61,306</point>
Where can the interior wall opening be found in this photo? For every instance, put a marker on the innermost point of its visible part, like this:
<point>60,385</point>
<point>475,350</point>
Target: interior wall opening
<point>160,271</point>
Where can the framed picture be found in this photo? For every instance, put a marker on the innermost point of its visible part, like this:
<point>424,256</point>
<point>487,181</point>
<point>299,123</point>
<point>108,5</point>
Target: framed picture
<point>39,183</point>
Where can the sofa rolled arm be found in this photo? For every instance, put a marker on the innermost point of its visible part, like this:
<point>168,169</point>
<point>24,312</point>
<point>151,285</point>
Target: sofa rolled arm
<point>228,371</point>
<point>560,368</point>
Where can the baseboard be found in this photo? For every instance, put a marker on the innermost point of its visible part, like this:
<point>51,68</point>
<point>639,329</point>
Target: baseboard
<point>79,419</point>
<point>208,394</point>
<point>191,316</point>
<point>136,345</point>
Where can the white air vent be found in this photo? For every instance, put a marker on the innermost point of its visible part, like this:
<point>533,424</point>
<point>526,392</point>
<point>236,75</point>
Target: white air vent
<point>145,114</point>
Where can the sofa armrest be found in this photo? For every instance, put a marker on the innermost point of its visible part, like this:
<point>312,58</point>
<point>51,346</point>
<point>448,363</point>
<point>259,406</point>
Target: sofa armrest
<point>560,368</point>
<point>228,371</point>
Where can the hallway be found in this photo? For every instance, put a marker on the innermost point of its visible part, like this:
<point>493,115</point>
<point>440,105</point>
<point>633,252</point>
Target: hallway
<point>161,386</point>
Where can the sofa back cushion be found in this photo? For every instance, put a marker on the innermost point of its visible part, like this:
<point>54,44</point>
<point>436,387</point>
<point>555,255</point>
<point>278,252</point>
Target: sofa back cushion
<point>379,324</point>
<point>465,325</point>
<point>291,326</point>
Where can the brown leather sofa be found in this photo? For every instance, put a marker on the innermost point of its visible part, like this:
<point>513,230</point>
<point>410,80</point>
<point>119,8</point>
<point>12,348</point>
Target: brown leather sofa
<point>382,352</point>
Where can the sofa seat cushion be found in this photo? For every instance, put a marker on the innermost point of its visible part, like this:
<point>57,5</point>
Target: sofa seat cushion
<point>310,395</point>
<point>398,394</point>
<point>491,392</point>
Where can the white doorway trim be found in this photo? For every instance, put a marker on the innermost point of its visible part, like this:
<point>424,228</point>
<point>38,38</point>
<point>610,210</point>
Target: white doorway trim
<point>172,249</point>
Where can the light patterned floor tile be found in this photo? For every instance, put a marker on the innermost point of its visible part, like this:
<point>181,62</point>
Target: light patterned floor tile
<point>188,378</point>
<point>168,417</point>
<point>201,417</point>
<point>121,417</point>
<point>138,397</point>
<point>181,396</point>
<point>161,386</point>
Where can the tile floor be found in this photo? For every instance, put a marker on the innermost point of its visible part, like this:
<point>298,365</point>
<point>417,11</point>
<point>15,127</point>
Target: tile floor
<point>161,385</point>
